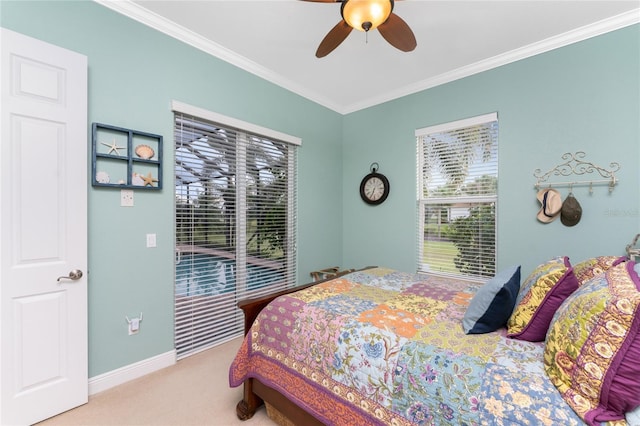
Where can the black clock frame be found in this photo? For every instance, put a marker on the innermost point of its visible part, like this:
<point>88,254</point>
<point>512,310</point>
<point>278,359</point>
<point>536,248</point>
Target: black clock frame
<point>385,182</point>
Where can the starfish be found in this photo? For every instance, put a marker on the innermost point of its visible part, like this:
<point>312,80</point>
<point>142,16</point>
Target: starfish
<point>113,147</point>
<point>148,179</point>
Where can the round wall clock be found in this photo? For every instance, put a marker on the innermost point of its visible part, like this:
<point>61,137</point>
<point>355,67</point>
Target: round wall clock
<point>374,188</point>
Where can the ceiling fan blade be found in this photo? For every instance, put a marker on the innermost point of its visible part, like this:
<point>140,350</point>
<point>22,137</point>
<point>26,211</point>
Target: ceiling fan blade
<point>398,33</point>
<point>333,39</point>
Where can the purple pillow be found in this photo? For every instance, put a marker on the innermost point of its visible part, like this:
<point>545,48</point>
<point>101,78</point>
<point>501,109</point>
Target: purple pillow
<point>593,346</point>
<point>540,295</point>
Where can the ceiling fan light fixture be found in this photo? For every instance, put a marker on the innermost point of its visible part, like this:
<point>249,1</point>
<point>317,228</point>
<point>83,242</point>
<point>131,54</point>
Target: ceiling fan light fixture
<point>365,15</point>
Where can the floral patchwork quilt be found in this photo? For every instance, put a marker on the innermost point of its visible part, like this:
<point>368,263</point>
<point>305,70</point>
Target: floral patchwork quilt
<point>386,347</point>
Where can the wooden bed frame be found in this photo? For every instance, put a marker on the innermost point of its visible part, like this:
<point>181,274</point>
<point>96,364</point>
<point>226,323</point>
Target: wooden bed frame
<point>255,392</point>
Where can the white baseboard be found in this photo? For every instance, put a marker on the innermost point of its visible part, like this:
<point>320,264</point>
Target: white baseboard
<point>129,372</point>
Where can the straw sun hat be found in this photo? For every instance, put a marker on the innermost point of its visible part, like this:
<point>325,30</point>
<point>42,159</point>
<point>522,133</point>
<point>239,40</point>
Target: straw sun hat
<point>551,204</point>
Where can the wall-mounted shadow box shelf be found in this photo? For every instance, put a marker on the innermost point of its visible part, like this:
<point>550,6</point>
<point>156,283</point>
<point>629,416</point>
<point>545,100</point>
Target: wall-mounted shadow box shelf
<point>125,158</point>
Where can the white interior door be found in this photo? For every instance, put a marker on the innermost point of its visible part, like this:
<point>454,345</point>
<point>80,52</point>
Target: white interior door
<point>43,230</point>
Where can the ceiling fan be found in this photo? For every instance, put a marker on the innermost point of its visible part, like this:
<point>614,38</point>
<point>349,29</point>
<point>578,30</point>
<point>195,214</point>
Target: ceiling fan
<point>365,15</point>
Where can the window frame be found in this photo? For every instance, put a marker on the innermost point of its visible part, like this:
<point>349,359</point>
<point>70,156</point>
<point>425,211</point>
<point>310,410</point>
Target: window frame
<point>423,201</point>
<point>248,137</point>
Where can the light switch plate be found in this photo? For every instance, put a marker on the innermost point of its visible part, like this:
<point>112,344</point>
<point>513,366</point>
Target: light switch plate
<point>126,197</point>
<point>151,240</point>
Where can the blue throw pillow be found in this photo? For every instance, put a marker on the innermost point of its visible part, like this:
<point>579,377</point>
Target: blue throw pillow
<point>493,304</point>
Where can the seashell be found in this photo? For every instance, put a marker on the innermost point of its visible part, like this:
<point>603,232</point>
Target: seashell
<point>102,177</point>
<point>137,180</point>
<point>145,151</point>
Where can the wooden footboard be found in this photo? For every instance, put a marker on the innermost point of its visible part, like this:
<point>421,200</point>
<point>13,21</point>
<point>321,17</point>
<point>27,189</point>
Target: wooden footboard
<point>256,393</point>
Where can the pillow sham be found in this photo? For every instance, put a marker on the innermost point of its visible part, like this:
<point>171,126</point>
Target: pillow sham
<point>591,267</point>
<point>593,346</point>
<point>492,305</point>
<point>540,296</point>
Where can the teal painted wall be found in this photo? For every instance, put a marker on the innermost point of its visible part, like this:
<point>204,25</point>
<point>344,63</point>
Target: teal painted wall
<point>583,97</point>
<point>134,74</point>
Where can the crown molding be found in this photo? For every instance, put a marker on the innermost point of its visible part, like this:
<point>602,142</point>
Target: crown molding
<point>157,22</point>
<point>583,33</point>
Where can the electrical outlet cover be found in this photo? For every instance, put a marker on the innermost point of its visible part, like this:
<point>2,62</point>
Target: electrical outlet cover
<point>126,197</point>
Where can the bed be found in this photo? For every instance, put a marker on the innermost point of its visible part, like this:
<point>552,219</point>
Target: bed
<point>379,346</point>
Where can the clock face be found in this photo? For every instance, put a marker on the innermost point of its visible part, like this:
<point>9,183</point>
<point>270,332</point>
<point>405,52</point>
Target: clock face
<point>374,188</point>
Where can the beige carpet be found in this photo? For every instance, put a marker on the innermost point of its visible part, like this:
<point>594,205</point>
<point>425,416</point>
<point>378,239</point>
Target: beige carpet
<point>195,391</point>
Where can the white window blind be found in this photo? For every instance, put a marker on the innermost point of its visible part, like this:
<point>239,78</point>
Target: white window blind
<point>235,223</point>
<point>457,197</point>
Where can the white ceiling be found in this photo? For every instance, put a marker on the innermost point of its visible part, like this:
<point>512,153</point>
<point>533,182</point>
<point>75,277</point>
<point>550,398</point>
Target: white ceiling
<point>277,40</point>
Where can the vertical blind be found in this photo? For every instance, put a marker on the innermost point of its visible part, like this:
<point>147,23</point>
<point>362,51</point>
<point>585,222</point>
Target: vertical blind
<point>457,196</point>
<point>235,224</point>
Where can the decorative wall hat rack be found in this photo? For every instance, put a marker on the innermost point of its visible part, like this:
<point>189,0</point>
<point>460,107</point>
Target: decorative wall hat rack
<point>574,165</point>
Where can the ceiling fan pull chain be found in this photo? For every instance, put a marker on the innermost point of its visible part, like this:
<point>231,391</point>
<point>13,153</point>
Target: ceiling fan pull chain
<point>366,26</point>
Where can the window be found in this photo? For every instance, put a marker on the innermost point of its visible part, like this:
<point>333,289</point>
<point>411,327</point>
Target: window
<point>235,222</point>
<point>457,196</point>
